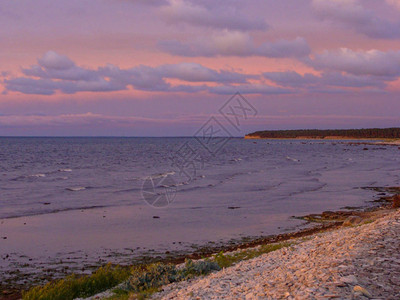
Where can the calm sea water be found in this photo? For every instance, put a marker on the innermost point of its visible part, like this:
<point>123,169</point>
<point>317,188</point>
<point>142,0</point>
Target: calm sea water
<point>47,175</point>
<point>84,195</point>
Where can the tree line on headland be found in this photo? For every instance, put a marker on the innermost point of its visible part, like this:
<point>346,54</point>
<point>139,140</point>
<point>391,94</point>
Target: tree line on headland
<point>371,133</point>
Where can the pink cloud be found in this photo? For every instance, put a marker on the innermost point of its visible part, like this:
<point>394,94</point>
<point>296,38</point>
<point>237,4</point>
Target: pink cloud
<point>56,72</point>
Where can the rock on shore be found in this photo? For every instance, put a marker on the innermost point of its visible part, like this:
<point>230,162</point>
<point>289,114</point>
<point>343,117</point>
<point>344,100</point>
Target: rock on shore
<point>357,262</point>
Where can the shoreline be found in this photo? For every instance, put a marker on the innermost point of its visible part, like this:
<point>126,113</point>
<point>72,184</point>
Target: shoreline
<point>201,284</point>
<point>357,261</point>
<point>386,141</point>
<point>317,223</point>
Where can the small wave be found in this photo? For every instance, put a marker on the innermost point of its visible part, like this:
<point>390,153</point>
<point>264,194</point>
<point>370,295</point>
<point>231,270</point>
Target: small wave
<point>37,175</point>
<point>24,177</point>
<point>57,179</point>
<point>76,189</point>
<point>292,159</point>
<point>236,159</point>
<point>161,175</point>
<point>53,211</point>
<point>167,186</point>
<point>65,170</point>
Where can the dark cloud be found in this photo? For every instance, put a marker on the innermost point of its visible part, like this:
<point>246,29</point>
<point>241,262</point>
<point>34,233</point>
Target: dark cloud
<point>149,2</point>
<point>235,43</point>
<point>332,79</point>
<point>262,89</point>
<point>31,86</point>
<point>55,66</point>
<point>351,14</point>
<point>193,72</point>
<point>291,78</point>
<point>372,62</point>
<point>221,16</point>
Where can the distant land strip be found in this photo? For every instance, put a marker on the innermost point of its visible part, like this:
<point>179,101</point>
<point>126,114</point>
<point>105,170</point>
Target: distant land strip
<point>371,133</point>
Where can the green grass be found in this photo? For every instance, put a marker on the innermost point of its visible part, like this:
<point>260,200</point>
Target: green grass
<point>156,275</point>
<point>120,294</point>
<point>227,260</point>
<point>73,286</point>
<point>141,281</point>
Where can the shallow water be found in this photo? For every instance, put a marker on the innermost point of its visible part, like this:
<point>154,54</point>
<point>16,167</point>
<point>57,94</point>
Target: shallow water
<point>81,199</point>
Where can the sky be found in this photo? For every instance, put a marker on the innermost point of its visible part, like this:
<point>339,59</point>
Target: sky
<point>165,67</point>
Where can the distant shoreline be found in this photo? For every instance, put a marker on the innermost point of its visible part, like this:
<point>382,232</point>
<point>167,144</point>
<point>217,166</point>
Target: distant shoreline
<point>317,138</point>
<point>385,134</point>
<point>378,141</point>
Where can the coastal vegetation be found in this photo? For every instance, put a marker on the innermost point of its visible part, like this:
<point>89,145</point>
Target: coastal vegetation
<point>76,287</point>
<point>141,280</point>
<point>227,260</point>
<point>372,133</point>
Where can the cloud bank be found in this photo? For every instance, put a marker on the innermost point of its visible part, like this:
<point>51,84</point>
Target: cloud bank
<point>220,16</point>
<point>372,62</point>
<point>338,70</point>
<point>57,73</point>
<point>352,14</point>
<point>234,43</point>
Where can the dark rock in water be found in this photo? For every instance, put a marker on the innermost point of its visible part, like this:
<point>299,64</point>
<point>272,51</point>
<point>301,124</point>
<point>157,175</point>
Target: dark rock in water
<point>329,215</point>
<point>396,201</point>
<point>156,217</point>
<point>327,212</point>
<point>337,215</point>
<point>4,237</point>
<point>352,207</point>
<point>365,149</point>
<point>46,203</point>
<point>352,220</point>
<point>233,207</point>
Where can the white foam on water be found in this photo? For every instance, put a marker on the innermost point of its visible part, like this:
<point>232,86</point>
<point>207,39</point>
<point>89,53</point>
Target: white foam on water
<point>76,189</point>
<point>292,159</point>
<point>38,175</point>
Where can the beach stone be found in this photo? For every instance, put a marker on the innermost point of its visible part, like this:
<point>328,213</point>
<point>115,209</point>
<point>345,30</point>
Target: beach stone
<point>361,290</point>
<point>327,265</point>
<point>352,220</point>
<point>351,279</point>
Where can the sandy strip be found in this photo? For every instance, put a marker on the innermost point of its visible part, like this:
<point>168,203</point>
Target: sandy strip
<point>397,142</point>
<point>352,263</point>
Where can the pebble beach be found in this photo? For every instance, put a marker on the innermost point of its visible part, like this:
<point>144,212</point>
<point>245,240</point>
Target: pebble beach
<point>353,262</point>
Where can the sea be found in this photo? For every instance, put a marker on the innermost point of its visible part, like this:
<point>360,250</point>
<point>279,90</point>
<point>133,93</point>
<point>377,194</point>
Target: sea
<point>108,199</point>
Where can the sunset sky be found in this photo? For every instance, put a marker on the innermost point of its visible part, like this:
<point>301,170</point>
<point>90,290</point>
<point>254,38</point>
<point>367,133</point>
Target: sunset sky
<point>164,67</point>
